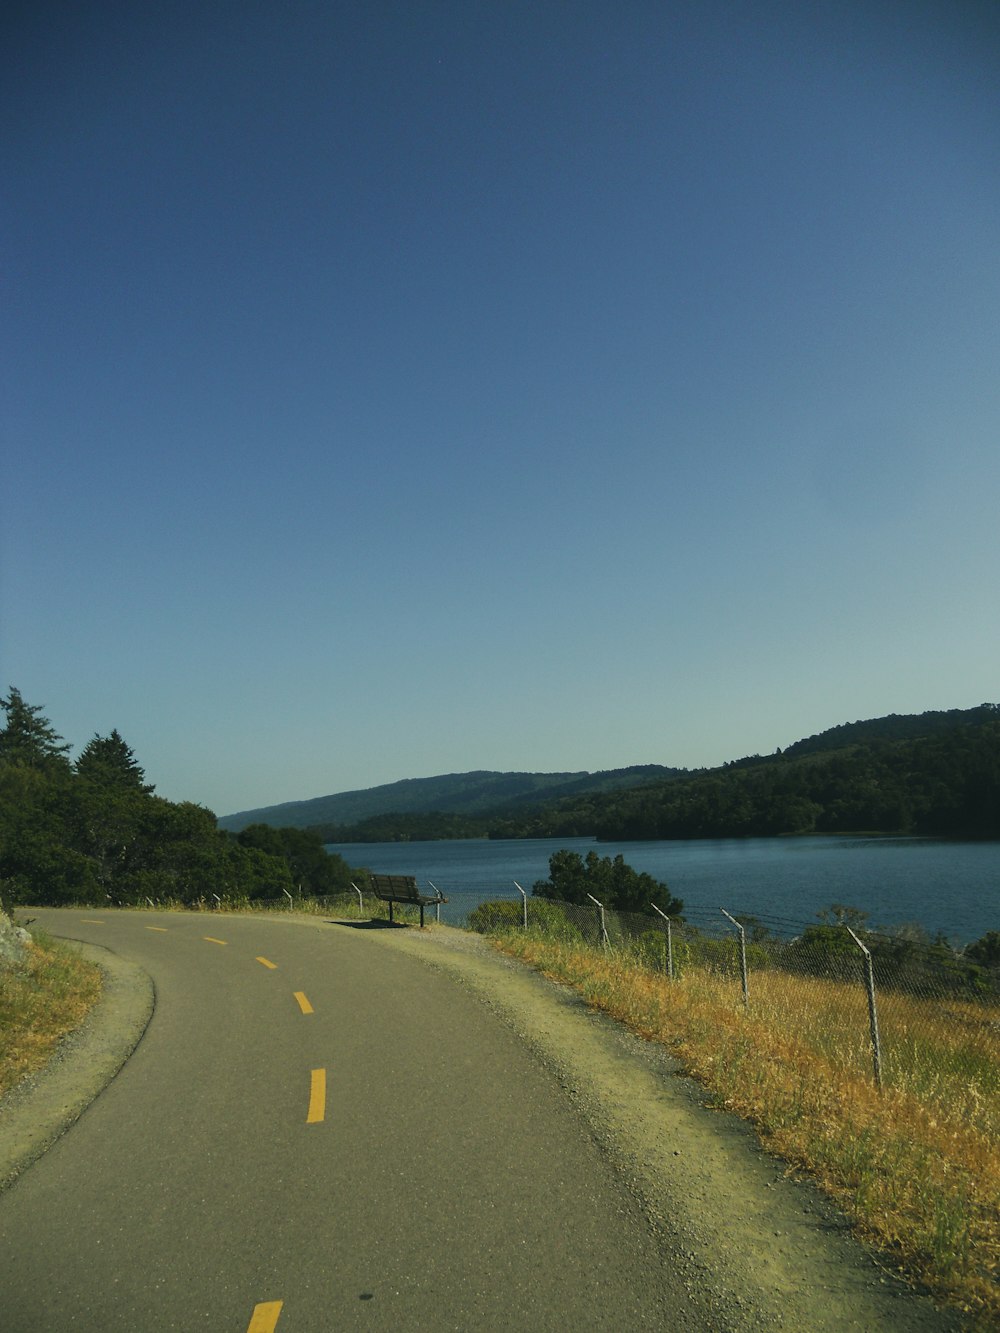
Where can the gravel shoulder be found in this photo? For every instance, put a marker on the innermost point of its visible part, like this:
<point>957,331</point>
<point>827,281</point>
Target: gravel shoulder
<point>41,1108</point>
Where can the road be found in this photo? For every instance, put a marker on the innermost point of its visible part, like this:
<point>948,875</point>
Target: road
<point>319,1133</point>
<point>330,1127</point>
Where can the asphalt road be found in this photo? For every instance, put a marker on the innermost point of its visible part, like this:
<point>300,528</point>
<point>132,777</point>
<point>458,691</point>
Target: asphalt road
<point>316,1132</point>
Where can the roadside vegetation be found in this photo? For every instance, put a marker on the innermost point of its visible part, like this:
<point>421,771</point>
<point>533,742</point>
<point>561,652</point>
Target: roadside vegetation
<point>339,906</point>
<point>91,831</point>
<point>42,998</point>
<point>914,1164</point>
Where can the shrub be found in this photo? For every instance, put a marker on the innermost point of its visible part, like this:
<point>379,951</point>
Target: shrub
<point>547,918</point>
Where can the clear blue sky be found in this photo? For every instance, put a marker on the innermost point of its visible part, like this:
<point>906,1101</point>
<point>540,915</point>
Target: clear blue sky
<point>393,389</point>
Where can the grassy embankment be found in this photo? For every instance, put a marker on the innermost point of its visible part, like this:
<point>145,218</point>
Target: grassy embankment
<point>915,1165</point>
<point>41,1000</point>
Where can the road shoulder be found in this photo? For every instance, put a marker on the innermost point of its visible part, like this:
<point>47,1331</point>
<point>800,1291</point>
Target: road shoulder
<point>42,1107</point>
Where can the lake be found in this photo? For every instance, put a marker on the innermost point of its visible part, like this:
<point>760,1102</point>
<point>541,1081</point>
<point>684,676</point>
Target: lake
<point>952,887</point>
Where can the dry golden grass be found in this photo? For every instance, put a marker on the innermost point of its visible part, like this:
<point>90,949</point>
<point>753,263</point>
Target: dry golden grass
<point>341,905</point>
<point>41,1000</point>
<point>915,1165</point>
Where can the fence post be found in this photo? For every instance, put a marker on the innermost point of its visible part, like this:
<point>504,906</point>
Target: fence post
<point>670,944</point>
<point>289,897</point>
<point>743,954</point>
<point>525,898</point>
<point>872,1009</point>
<point>437,909</point>
<point>218,902</point>
<point>361,901</point>
<point>604,930</point>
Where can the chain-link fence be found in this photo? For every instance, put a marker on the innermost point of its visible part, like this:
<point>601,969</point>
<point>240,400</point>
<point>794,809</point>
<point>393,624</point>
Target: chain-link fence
<point>910,1012</point>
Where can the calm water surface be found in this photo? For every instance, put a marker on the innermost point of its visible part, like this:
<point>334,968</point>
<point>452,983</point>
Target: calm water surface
<point>953,887</point>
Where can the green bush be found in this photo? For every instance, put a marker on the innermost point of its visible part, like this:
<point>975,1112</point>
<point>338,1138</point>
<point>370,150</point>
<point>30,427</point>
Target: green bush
<point>507,914</point>
<point>496,915</point>
<point>650,949</point>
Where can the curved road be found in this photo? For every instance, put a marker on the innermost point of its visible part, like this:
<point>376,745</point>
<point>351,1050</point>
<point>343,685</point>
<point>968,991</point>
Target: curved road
<point>318,1133</point>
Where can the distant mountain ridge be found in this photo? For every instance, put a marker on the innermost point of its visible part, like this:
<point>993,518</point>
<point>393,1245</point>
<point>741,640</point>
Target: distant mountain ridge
<point>478,792</point>
<point>932,772</point>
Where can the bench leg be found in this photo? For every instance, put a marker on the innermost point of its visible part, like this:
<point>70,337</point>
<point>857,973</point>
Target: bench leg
<point>421,916</point>
<point>390,909</point>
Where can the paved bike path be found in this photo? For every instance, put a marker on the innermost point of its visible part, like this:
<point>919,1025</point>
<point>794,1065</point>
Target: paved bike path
<point>386,1155</point>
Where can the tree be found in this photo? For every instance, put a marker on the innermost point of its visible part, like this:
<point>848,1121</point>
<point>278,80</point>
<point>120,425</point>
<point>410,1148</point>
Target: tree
<point>315,870</point>
<point>985,951</point>
<point>107,762</point>
<point>838,914</point>
<point>38,862</point>
<point>108,804</point>
<point>28,739</point>
<point>611,882</point>
<point>93,830</point>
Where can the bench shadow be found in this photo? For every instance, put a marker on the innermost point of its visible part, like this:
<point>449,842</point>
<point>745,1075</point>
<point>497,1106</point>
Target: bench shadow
<point>371,925</point>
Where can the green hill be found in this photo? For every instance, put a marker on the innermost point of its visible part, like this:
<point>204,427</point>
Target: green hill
<point>894,727</point>
<point>929,773</point>
<point>472,794</point>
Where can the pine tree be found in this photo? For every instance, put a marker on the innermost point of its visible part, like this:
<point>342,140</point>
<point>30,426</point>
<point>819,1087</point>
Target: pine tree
<point>28,739</point>
<point>106,761</point>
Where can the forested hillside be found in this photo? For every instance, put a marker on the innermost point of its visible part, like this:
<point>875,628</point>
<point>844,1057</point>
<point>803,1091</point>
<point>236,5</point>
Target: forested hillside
<point>929,773</point>
<point>893,727</point>
<point>944,780</point>
<point>473,795</point>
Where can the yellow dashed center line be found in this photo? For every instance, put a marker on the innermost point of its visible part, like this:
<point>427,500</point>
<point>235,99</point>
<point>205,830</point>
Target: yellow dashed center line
<point>304,1004</point>
<point>265,1317</point>
<point>212,940</point>
<point>267,963</point>
<point>161,928</point>
<point>317,1097</point>
<point>90,921</point>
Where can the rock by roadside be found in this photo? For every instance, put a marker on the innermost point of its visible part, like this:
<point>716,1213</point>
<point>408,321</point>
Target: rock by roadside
<point>13,940</point>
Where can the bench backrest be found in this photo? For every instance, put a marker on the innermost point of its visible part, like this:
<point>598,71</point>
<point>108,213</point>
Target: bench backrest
<point>396,887</point>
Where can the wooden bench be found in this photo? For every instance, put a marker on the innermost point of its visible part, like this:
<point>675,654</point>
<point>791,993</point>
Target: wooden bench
<point>403,889</point>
